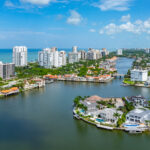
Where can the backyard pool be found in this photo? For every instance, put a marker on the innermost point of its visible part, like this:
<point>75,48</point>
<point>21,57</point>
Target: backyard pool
<point>99,120</point>
<point>82,111</point>
<point>131,125</point>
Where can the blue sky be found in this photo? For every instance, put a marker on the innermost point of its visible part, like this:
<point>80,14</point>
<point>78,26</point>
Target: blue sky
<point>85,23</point>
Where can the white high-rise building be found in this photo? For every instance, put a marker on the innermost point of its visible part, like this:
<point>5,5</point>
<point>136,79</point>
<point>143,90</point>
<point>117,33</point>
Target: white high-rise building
<point>20,56</point>
<point>73,57</point>
<point>119,52</point>
<point>49,58</point>
<point>55,56</point>
<point>82,54</point>
<point>45,58</point>
<point>139,75</point>
<point>147,50</point>
<point>74,49</point>
<point>104,52</point>
<point>62,58</point>
<point>93,54</point>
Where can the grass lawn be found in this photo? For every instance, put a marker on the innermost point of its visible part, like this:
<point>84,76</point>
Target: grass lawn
<point>128,81</point>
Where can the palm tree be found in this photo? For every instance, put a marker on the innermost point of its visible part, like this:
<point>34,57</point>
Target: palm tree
<point>147,122</point>
<point>116,115</point>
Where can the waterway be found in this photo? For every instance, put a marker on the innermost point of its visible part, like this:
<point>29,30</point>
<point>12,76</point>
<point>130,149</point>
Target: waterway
<point>42,119</point>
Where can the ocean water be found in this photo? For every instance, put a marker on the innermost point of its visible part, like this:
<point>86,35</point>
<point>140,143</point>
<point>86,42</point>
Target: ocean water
<point>6,54</point>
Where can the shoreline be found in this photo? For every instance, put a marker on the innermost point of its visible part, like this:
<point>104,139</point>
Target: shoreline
<point>104,127</point>
<point>136,85</point>
<point>65,80</point>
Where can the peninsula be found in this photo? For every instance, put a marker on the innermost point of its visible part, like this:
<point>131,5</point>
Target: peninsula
<point>130,114</point>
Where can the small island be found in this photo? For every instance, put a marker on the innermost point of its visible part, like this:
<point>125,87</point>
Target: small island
<point>130,114</point>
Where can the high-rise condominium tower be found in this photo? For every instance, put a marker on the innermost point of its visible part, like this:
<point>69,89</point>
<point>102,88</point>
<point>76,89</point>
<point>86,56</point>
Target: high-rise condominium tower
<point>20,56</point>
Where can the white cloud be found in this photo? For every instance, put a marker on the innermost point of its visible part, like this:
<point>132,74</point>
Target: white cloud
<point>75,18</point>
<point>101,31</point>
<point>147,23</point>
<point>9,4</point>
<point>27,4</point>
<point>92,30</point>
<point>111,28</point>
<point>127,27</point>
<point>138,22</point>
<point>119,5</point>
<point>126,18</point>
<point>37,2</point>
<point>136,27</point>
<point>43,2</point>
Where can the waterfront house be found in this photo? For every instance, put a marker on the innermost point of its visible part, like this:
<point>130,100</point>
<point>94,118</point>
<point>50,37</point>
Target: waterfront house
<point>54,77</point>
<point>139,75</point>
<point>138,116</point>
<point>90,78</point>
<point>92,109</point>
<point>118,102</point>
<point>90,105</point>
<point>95,98</point>
<point>40,82</point>
<point>11,91</point>
<point>105,77</point>
<point>29,86</point>
<point>82,79</point>
<point>108,114</point>
<point>138,101</point>
<point>96,79</point>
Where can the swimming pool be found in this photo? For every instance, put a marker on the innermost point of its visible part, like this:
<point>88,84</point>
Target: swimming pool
<point>131,125</point>
<point>99,120</point>
<point>82,111</point>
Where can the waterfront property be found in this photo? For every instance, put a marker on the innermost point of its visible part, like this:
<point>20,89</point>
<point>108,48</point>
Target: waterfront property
<point>75,77</point>
<point>34,83</point>
<point>114,113</point>
<point>137,116</point>
<point>138,101</point>
<point>110,115</point>
<point>139,75</point>
<point>10,91</point>
<point>98,108</point>
<point>15,86</point>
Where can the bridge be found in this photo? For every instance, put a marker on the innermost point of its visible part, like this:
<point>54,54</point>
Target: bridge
<point>118,75</point>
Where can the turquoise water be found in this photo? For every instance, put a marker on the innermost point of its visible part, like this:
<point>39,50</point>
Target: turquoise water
<point>99,120</point>
<point>82,111</point>
<point>131,125</point>
<point>6,55</point>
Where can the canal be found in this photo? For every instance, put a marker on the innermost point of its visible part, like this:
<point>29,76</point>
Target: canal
<point>42,119</point>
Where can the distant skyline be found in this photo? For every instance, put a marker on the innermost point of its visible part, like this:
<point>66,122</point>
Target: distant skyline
<point>85,23</point>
